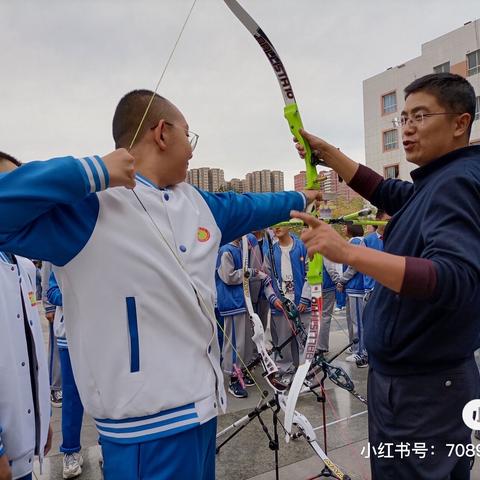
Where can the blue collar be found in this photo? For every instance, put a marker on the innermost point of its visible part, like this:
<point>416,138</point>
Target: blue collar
<point>145,181</point>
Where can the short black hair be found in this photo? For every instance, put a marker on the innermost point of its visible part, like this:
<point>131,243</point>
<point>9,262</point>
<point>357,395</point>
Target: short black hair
<point>354,230</point>
<point>9,158</point>
<point>451,91</point>
<point>130,111</point>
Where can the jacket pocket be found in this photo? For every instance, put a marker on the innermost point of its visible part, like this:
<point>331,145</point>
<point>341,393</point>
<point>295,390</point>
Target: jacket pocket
<point>133,334</point>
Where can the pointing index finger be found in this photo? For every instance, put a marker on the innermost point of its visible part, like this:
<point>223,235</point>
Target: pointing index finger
<point>307,218</point>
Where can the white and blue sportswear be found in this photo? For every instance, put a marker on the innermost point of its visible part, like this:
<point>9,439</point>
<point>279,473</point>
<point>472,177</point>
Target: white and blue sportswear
<point>138,288</point>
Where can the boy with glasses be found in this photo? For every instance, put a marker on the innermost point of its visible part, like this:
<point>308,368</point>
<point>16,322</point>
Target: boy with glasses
<point>143,339</point>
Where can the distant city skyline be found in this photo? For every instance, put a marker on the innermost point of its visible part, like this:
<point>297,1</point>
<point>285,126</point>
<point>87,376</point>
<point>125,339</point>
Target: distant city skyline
<point>213,180</point>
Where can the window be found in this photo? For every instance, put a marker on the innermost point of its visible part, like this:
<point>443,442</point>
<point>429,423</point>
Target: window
<point>389,103</point>
<point>473,63</point>
<point>442,68</point>
<point>392,171</point>
<point>477,109</point>
<point>390,140</point>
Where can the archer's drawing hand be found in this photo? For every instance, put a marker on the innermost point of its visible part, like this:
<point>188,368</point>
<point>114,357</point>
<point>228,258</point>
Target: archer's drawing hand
<point>121,168</point>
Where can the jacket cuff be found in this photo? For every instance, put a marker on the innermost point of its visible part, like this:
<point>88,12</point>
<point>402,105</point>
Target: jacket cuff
<point>272,299</point>
<point>420,278</point>
<point>305,301</point>
<point>365,181</point>
<point>95,173</point>
<point>305,201</point>
<point>49,308</point>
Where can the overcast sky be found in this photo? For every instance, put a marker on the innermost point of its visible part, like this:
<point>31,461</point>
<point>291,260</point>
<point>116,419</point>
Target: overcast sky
<point>66,63</point>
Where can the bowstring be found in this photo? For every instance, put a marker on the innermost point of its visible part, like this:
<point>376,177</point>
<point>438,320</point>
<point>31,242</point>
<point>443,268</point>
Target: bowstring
<point>162,75</point>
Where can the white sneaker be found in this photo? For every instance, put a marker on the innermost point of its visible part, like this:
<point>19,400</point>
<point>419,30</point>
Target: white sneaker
<point>72,465</point>
<point>353,358</point>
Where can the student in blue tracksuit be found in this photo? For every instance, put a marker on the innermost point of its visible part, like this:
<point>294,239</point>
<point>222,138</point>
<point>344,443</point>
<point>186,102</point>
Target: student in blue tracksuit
<point>143,344</point>
<point>290,257</point>
<point>330,279</point>
<point>256,245</point>
<point>374,240</point>
<point>72,408</point>
<point>354,286</point>
<point>229,277</point>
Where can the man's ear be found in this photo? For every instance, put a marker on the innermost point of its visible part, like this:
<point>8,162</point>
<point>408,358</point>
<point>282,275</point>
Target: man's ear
<point>462,123</point>
<point>160,134</point>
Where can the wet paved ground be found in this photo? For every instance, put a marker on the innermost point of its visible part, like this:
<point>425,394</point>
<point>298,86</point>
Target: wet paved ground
<point>247,455</point>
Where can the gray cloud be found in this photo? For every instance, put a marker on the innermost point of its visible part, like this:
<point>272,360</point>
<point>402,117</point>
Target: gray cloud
<point>65,64</point>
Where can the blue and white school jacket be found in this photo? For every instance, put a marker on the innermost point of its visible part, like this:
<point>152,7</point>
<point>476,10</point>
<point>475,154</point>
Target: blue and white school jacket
<point>230,295</point>
<point>24,414</point>
<point>372,240</point>
<point>328,283</point>
<point>54,297</point>
<point>298,259</point>
<point>355,284</point>
<point>139,308</point>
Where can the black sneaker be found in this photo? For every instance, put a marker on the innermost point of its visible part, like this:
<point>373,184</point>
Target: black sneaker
<point>248,380</point>
<point>56,398</point>
<point>362,362</point>
<point>237,390</point>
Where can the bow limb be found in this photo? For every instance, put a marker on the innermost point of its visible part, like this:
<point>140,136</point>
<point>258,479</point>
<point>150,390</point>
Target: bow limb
<point>292,115</point>
<point>307,431</point>
<point>315,279</point>
<point>269,366</point>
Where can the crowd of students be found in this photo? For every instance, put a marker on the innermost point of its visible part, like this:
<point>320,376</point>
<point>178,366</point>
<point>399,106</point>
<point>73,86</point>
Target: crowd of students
<point>277,266</point>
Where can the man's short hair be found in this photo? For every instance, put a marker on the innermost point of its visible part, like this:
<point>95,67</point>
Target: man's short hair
<point>354,230</point>
<point>130,111</point>
<point>9,158</point>
<point>452,92</point>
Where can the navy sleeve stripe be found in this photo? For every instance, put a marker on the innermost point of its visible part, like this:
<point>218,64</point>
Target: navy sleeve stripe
<point>100,172</point>
<point>89,173</point>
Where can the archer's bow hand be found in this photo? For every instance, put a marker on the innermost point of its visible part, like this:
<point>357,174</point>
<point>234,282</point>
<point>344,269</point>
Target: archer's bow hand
<point>320,148</point>
<point>121,168</point>
<point>322,238</point>
<point>312,196</point>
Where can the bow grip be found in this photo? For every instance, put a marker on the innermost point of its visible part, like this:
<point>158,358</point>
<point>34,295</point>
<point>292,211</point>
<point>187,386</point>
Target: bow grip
<point>294,120</point>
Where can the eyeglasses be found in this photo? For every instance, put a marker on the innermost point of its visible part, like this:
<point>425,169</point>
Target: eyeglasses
<point>416,118</point>
<point>192,136</point>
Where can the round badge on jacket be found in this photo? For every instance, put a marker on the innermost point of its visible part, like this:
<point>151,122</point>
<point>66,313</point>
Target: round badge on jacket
<point>203,234</point>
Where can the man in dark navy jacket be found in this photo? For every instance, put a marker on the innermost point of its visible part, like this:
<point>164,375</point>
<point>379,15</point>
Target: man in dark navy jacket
<point>423,319</point>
